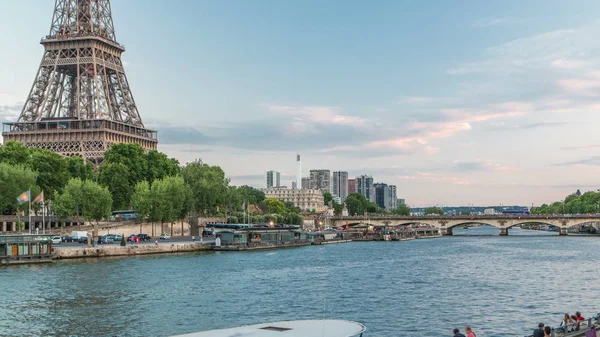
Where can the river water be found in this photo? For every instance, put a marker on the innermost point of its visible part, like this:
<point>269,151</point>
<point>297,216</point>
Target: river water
<point>502,286</point>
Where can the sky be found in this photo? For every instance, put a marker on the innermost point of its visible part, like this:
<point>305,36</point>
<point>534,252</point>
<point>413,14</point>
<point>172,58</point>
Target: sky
<point>455,102</point>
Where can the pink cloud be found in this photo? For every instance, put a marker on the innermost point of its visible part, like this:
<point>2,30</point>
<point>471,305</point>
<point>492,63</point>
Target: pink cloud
<point>319,114</point>
<point>432,149</point>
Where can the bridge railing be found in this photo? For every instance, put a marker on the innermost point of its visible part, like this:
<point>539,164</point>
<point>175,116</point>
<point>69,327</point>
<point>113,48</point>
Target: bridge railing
<point>584,326</point>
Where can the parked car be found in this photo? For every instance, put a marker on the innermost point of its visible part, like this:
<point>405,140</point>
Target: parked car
<point>117,237</point>
<point>56,240</point>
<point>106,239</point>
<point>144,237</point>
<point>165,237</point>
<point>133,238</point>
<point>82,239</point>
<point>67,238</point>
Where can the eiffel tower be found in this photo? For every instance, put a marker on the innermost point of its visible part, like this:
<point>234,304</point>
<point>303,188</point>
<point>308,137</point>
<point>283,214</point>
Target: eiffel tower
<point>80,102</point>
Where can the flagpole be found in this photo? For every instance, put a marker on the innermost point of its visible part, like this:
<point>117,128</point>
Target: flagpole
<point>29,202</point>
<point>43,218</point>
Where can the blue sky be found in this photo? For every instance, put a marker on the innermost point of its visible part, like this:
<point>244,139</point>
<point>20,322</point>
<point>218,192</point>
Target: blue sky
<point>456,102</point>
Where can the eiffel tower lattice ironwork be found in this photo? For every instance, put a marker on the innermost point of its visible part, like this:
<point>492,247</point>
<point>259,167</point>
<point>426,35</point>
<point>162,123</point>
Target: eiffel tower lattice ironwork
<point>80,102</point>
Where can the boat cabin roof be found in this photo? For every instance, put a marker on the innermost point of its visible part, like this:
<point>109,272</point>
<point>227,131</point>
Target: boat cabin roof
<point>306,328</point>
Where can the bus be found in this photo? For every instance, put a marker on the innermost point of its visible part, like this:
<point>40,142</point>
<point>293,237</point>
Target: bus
<point>123,215</point>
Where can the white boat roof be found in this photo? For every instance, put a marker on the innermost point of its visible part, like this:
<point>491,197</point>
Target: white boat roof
<point>306,328</point>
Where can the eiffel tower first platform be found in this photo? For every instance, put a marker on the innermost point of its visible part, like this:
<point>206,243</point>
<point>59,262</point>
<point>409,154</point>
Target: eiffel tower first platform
<point>80,102</point>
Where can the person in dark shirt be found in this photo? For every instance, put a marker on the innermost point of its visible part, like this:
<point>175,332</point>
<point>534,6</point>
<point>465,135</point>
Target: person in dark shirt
<point>458,334</point>
<point>539,332</point>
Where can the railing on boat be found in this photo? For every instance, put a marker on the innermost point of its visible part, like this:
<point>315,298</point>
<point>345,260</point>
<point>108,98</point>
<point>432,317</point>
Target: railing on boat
<point>584,327</point>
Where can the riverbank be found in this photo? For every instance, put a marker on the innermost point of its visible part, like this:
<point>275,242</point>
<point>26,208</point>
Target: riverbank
<point>60,253</point>
<point>129,250</point>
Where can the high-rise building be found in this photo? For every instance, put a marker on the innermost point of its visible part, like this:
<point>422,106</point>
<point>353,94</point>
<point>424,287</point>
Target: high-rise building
<point>320,180</point>
<point>340,185</point>
<point>305,183</point>
<point>401,202</point>
<point>364,186</point>
<point>393,197</point>
<point>382,195</point>
<point>273,179</point>
<point>351,186</point>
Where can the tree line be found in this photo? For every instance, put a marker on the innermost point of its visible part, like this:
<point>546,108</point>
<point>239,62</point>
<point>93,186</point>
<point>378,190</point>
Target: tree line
<point>577,203</point>
<point>358,204</point>
<point>157,187</point>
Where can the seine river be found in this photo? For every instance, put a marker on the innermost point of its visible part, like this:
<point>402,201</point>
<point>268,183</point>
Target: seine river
<point>502,286</point>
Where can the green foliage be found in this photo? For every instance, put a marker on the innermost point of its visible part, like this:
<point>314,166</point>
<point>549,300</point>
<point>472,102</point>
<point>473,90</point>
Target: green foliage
<point>158,166</point>
<point>79,168</point>
<point>52,171</point>
<point>273,206</point>
<point>337,208</point>
<point>588,202</point>
<point>165,200</point>
<point>131,156</point>
<point>15,180</point>
<point>328,198</point>
<point>208,185</point>
<point>117,178</point>
<point>402,210</point>
<point>84,198</point>
<point>433,210</point>
<point>251,195</point>
<point>357,204</point>
<point>15,153</point>
<point>123,241</point>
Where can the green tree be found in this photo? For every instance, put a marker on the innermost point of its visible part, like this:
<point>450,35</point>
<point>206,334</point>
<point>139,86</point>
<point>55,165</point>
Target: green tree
<point>116,177</point>
<point>402,210</point>
<point>141,201</point>
<point>327,198</point>
<point>52,173</point>
<point>158,166</point>
<point>338,208</point>
<point>15,180</point>
<point>357,204</point>
<point>251,195</point>
<point>130,155</point>
<point>208,185</point>
<point>15,153</point>
<point>273,206</point>
<point>433,210</point>
<point>79,168</point>
<point>84,198</point>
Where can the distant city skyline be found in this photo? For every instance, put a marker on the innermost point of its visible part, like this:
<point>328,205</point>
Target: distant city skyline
<point>496,103</point>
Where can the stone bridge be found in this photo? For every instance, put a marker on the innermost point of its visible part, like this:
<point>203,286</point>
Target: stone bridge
<point>446,223</point>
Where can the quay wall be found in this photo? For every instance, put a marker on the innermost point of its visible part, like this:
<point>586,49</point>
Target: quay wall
<point>105,251</point>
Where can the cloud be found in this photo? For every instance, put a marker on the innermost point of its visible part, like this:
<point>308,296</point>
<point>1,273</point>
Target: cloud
<point>503,126</point>
<point>10,112</point>
<point>590,161</point>
<point>491,22</point>
<point>318,114</point>
<point>584,147</point>
<point>478,165</point>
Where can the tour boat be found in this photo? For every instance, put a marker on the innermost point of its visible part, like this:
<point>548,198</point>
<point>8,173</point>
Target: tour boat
<point>306,328</point>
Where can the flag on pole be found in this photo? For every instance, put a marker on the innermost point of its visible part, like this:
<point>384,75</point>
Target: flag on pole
<point>244,205</point>
<point>39,199</point>
<point>24,197</point>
